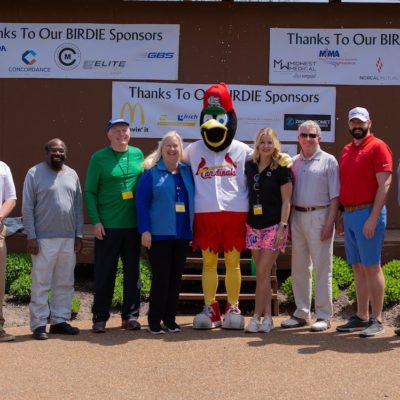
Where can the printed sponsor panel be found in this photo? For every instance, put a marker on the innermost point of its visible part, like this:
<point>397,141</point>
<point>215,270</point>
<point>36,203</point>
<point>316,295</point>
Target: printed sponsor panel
<point>155,108</point>
<point>334,56</point>
<point>89,51</point>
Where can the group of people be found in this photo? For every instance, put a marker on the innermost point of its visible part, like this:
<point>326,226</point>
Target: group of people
<point>219,194</point>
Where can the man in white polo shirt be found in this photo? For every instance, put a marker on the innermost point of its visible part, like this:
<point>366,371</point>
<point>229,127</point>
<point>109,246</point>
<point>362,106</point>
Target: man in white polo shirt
<point>7,203</point>
<point>314,208</point>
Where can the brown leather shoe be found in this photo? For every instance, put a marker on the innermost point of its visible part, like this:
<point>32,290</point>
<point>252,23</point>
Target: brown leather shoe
<point>99,327</point>
<point>131,324</point>
<point>397,332</point>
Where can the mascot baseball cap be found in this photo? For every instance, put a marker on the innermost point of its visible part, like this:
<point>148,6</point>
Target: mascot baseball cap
<point>116,121</point>
<point>360,113</point>
<point>218,96</point>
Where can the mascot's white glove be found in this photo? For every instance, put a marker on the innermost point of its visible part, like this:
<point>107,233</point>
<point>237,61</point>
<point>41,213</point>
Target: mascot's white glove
<point>284,160</point>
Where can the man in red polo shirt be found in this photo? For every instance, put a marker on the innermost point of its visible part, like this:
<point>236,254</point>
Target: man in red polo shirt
<point>365,178</point>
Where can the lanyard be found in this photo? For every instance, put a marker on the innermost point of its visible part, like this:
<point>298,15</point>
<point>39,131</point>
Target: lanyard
<point>124,174</point>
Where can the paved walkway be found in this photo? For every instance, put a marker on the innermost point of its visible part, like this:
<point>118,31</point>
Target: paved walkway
<point>285,364</point>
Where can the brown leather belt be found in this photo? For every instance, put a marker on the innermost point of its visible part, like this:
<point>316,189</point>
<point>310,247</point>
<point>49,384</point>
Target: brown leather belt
<point>358,207</point>
<point>308,209</point>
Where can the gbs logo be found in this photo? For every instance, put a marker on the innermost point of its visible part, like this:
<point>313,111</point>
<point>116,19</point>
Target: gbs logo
<point>160,54</point>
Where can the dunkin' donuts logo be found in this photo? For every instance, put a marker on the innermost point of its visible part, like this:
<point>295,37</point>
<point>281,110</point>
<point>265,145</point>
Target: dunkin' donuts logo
<point>228,168</point>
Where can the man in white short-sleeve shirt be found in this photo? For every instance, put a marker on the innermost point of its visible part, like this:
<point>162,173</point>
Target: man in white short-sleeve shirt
<point>7,200</point>
<point>314,208</point>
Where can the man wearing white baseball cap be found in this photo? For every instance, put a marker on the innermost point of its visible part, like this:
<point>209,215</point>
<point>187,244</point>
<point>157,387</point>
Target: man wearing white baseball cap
<point>365,178</point>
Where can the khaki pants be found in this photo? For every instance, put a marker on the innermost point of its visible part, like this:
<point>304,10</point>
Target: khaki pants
<point>53,268</point>
<point>3,262</point>
<point>308,254</point>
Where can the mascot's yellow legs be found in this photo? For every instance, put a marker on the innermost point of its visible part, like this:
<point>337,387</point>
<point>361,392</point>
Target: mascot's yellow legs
<point>210,276</point>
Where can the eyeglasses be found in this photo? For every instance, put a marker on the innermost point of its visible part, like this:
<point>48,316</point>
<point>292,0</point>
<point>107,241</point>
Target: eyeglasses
<point>308,135</point>
<point>256,185</point>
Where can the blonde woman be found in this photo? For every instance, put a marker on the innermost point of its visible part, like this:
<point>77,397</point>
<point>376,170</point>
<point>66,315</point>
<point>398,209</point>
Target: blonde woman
<point>270,190</point>
<point>165,210</point>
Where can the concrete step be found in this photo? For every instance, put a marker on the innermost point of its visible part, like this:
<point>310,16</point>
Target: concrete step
<point>245,278</point>
<point>221,296</point>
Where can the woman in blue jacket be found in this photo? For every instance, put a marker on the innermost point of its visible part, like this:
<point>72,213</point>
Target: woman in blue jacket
<point>165,210</point>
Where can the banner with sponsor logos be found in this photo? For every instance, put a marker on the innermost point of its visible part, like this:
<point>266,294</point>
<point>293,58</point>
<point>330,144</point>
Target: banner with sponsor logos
<point>156,108</point>
<point>335,56</point>
<point>89,51</point>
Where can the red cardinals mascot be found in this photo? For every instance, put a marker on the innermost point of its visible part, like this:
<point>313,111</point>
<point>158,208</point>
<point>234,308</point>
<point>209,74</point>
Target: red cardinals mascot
<point>221,205</point>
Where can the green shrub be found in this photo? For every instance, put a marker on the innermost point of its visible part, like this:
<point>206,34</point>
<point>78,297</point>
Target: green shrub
<point>287,289</point>
<point>17,265</point>
<point>351,291</point>
<point>342,272</point>
<point>20,289</point>
<point>145,278</point>
<point>75,305</point>
<point>118,294</point>
<point>391,271</point>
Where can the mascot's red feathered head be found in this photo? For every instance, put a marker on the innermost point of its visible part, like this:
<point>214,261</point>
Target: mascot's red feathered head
<point>218,119</point>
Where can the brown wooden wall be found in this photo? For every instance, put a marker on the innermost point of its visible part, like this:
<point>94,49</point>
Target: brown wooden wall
<point>218,42</point>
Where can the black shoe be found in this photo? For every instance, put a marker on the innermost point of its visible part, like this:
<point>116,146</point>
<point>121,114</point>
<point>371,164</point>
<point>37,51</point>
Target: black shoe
<point>155,329</point>
<point>172,327</point>
<point>40,333</point>
<point>99,327</point>
<point>64,328</point>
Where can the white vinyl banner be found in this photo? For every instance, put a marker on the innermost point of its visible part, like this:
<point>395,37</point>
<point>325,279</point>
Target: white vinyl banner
<point>335,56</point>
<point>89,51</point>
<point>156,108</point>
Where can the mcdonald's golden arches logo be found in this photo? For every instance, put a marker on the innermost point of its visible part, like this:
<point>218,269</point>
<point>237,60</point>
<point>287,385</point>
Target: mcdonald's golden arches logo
<point>132,112</point>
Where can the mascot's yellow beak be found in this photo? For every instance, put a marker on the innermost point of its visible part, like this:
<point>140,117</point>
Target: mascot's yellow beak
<point>213,124</point>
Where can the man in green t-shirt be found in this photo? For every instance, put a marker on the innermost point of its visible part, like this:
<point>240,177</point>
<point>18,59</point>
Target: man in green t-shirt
<point>110,187</point>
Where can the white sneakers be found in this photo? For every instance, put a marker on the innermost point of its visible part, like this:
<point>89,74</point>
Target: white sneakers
<point>233,318</point>
<point>320,325</point>
<point>255,325</point>
<point>293,322</point>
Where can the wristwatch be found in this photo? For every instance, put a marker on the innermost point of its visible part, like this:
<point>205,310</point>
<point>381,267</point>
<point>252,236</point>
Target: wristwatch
<point>283,224</point>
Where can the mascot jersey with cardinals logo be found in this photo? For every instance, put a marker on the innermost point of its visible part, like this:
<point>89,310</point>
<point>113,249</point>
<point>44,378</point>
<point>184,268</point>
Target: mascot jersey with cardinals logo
<point>219,177</point>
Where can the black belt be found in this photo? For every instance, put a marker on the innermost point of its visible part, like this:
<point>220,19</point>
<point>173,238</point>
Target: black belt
<point>308,209</point>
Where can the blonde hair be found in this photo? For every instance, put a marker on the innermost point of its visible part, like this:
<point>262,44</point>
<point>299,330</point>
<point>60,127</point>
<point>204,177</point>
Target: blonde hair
<point>277,146</point>
<point>152,159</point>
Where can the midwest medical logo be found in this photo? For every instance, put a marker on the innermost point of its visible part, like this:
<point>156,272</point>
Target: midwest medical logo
<point>136,116</point>
<point>228,168</point>
<point>294,66</point>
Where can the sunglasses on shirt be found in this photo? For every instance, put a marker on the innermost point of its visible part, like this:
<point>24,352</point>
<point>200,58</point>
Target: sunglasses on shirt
<point>256,185</point>
<point>308,135</point>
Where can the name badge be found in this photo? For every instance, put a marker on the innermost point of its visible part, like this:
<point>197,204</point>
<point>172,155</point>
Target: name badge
<point>127,195</point>
<point>180,207</point>
<point>257,209</point>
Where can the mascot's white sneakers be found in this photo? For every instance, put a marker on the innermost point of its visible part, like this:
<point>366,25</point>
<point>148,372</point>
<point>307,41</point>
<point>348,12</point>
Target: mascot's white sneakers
<point>233,318</point>
<point>209,318</point>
